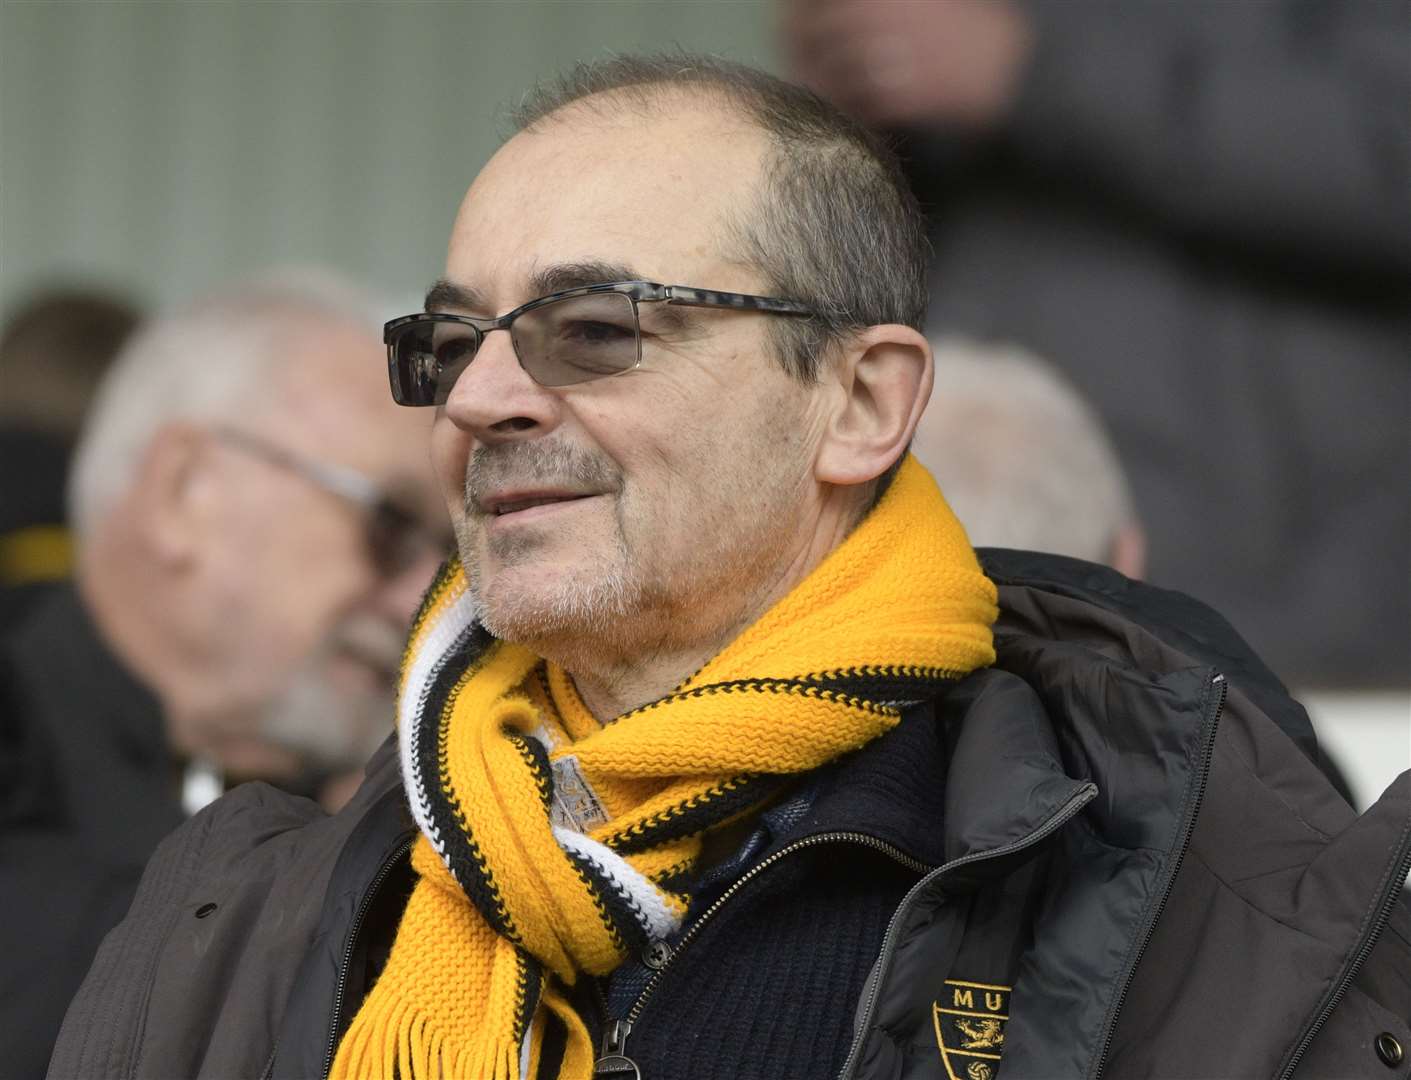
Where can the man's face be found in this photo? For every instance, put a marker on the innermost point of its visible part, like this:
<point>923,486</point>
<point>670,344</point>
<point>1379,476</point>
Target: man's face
<point>658,507</point>
<point>302,624</point>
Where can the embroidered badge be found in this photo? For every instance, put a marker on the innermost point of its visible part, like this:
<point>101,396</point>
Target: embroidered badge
<point>970,1019</point>
<point>576,805</point>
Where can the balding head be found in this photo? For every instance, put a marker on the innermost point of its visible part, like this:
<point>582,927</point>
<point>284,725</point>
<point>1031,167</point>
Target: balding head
<point>831,222</point>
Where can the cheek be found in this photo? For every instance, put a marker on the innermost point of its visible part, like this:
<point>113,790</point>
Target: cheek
<point>290,588</point>
<point>750,467</point>
<point>678,494</point>
<point>450,450</point>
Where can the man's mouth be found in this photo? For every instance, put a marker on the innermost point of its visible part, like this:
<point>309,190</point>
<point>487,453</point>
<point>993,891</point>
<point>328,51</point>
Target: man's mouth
<point>502,504</point>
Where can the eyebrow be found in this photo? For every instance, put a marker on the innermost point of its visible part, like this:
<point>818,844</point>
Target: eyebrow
<point>561,277</point>
<point>445,294</point>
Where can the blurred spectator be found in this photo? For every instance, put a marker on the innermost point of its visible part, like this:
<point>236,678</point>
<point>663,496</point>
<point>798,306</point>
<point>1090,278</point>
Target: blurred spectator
<point>1025,463</point>
<point>256,522</point>
<point>53,350</point>
<point>1023,460</point>
<point>1199,212</point>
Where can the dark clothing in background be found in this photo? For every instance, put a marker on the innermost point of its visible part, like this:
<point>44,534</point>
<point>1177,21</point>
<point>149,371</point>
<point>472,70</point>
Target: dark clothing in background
<point>1120,821</point>
<point>87,790</point>
<point>34,540</point>
<point>1202,213</point>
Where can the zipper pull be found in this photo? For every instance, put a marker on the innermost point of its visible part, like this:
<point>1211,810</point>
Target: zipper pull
<point>613,1062</point>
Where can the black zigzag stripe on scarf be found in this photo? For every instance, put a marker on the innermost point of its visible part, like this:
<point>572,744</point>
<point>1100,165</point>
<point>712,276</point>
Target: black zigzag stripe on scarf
<point>887,687</point>
<point>695,816</point>
<point>462,854</point>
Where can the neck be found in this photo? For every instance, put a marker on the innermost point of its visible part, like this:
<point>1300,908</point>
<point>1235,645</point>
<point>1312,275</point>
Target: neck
<point>655,659</point>
<point>613,685</point>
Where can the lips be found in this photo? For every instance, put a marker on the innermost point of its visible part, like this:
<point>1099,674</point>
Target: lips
<point>501,504</point>
<point>524,504</point>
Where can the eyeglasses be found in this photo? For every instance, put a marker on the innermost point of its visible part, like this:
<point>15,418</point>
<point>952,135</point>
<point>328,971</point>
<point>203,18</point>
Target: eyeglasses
<point>396,537</point>
<point>564,338</point>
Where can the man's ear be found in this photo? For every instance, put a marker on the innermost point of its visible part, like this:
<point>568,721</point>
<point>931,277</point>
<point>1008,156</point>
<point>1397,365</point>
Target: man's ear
<point>885,374</point>
<point>170,509</point>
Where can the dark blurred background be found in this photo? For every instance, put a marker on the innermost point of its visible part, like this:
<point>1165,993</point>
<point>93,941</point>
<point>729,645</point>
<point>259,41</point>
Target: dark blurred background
<point>1197,212</point>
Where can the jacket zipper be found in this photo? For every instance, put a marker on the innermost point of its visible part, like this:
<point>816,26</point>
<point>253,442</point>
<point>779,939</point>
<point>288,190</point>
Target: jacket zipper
<point>1369,942</point>
<point>615,1036</point>
<point>1055,821</point>
<point>1207,752</point>
<point>385,869</point>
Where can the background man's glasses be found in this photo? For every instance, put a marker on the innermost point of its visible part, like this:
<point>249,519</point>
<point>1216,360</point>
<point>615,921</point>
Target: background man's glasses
<point>564,338</point>
<point>396,537</point>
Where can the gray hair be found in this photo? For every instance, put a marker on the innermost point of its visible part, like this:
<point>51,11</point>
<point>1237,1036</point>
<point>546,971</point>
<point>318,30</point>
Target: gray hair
<point>834,224</point>
<point>1022,458</point>
<point>212,360</point>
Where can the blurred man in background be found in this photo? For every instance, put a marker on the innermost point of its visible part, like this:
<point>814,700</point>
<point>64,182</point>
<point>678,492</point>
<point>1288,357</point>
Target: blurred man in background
<point>255,524</point>
<point>1024,460</point>
<point>54,349</point>
<point>1026,463</point>
<point>1198,211</point>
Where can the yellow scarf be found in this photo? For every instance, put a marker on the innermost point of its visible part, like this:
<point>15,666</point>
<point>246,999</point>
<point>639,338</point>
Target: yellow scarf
<point>552,847</point>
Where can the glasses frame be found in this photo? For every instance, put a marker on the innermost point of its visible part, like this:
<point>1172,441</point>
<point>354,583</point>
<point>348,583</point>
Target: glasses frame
<point>638,292</point>
<point>382,511</point>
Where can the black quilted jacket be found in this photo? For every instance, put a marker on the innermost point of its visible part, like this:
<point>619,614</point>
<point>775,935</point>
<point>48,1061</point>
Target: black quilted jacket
<point>1110,854</point>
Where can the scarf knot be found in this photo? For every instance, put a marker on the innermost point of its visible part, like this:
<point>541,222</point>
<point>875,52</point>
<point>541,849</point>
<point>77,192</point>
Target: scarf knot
<point>552,847</point>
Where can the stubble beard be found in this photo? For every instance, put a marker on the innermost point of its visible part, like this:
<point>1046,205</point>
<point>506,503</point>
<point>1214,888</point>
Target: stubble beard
<point>607,610</point>
<point>594,601</point>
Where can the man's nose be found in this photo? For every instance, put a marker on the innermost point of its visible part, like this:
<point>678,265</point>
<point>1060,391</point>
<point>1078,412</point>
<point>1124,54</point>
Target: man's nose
<point>495,400</point>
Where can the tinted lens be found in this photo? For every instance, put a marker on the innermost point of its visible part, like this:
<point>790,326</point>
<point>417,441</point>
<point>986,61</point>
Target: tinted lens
<point>574,340</point>
<point>428,357</point>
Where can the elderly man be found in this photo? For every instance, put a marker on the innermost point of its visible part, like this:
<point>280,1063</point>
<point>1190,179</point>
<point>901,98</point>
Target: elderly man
<point>247,504</point>
<point>709,763</point>
<point>1024,459</point>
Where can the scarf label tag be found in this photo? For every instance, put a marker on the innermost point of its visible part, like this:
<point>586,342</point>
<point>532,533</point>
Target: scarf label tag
<point>576,804</point>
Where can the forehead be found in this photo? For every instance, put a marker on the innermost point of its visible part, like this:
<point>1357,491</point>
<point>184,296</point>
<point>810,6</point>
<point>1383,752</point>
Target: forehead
<point>323,363</point>
<point>648,188</point>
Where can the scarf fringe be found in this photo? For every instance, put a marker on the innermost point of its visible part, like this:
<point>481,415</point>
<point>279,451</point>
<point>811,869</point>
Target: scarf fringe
<point>512,903</point>
<point>401,1042</point>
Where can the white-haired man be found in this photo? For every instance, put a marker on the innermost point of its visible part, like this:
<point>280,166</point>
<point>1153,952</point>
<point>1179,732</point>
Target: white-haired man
<point>255,523</point>
<point>714,766</point>
<point>1024,460</point>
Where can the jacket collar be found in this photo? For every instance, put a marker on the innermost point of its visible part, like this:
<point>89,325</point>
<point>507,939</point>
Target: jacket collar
<point>973,771</point>
<point>1172,619</point>
<point>94,755</point>
<point>60,655</point>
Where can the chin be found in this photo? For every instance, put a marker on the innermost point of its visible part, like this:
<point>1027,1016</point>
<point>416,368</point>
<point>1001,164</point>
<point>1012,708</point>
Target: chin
<point>536,606</point>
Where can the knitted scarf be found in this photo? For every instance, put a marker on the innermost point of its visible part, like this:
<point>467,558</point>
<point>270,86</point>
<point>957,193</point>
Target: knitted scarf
<point>552,847</point>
